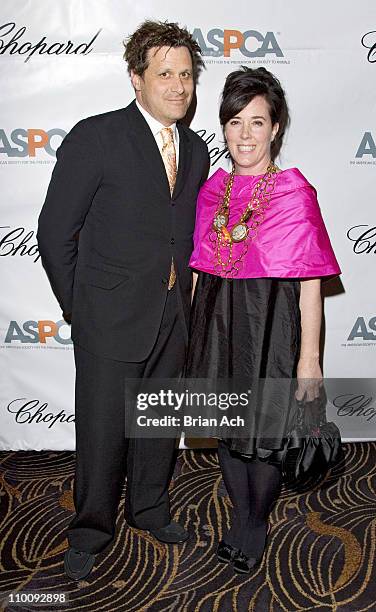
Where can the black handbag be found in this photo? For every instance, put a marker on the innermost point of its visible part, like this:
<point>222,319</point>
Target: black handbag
<point>313,446</point>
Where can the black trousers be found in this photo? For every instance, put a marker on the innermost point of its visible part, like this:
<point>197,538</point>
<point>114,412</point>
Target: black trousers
<point>104,454</point>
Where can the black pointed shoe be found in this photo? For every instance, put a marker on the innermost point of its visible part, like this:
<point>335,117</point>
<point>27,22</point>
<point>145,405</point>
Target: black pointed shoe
<point>243,564</point>
<point>226,553</point>
<point>78,564</point>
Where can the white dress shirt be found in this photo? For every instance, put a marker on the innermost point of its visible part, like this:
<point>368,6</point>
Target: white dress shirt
<point>156,128</point>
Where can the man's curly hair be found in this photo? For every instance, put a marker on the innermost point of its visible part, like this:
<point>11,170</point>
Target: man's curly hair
<point>159,34</point>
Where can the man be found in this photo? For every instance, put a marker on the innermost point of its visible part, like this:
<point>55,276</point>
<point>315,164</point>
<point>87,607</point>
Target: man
<point>115,236</point>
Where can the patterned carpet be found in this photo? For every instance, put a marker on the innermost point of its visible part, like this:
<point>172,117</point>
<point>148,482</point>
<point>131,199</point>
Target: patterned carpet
<point>321,553</point>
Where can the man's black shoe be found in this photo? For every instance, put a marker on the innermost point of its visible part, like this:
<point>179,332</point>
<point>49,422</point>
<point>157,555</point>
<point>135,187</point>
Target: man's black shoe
<point>78,564</point>
<point>173,533</point>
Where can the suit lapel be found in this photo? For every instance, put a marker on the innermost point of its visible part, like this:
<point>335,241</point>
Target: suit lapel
<point>147,149</point>
<point>185,153</point>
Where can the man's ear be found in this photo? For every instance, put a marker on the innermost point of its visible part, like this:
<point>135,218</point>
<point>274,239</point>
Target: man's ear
<point>135,80</point>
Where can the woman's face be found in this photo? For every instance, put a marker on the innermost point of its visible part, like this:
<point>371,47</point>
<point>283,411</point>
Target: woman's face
<point>249,135</point>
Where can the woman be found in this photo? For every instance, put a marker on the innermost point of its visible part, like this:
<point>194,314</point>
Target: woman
<point>260,249</point>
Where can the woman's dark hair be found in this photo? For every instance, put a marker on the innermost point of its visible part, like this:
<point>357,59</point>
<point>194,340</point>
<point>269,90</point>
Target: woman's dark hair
<point>242,86</point>
<point>159,34</point>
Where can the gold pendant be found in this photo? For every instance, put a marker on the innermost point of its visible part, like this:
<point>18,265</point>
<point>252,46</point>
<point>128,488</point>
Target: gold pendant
<point>239,232</point>
<point>220,220</point>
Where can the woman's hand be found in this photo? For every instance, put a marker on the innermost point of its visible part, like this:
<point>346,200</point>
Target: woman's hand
<point>310,379</point>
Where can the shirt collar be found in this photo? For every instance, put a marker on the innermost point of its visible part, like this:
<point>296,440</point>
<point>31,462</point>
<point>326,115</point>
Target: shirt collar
<point>153,124</point>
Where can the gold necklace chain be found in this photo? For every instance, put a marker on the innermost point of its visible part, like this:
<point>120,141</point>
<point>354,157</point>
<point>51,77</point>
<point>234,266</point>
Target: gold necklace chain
<point>224,238</point>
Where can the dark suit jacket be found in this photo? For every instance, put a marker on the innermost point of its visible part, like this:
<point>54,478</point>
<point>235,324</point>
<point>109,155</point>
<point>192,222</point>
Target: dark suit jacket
<point>109,227</point>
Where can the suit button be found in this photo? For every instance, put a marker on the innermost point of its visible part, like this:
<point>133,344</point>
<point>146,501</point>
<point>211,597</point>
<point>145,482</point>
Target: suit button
<point>172,241</point>
<point>172,203</point>
<point>165,281</point>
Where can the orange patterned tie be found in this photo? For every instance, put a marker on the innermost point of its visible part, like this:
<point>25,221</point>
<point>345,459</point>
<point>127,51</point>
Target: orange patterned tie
<point>169,156</point>
<point>169,159</point>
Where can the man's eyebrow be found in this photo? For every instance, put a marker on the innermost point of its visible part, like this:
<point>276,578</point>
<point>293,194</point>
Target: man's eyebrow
<point>162,69</point>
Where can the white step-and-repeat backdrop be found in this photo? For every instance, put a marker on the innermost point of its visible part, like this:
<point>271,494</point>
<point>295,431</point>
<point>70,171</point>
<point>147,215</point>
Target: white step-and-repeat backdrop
<point>62,61</point>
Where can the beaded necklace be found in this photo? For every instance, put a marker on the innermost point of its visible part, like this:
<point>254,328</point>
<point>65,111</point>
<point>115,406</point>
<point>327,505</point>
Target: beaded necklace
<point>224,238</point>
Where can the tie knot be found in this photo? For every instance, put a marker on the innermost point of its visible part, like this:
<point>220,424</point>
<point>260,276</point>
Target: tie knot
<point>167,136</point>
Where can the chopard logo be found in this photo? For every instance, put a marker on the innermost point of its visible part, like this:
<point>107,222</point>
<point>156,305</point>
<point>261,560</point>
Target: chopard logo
<point>13,43</point>
<point>354,405</point>
<point>369,42</point>
<point>364,239</point>
<point>34,411</point>
<point>217,151</point>
<point>18,241</point>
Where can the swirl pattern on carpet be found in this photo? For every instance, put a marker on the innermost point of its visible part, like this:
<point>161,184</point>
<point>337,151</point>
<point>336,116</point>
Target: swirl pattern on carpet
<point>320,554</point>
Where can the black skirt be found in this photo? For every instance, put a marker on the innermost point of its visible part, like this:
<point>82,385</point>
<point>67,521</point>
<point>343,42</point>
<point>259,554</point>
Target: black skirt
<point>249,329</point>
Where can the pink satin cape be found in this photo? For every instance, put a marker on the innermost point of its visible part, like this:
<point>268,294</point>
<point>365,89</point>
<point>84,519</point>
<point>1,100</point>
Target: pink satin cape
<point>291,242</point>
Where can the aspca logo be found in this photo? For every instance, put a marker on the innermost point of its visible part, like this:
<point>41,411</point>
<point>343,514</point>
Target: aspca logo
<point>28,142</point>
<point>367,146</point>
<point>365,330</point>
<point>38,332</point>
<point>251,43</point>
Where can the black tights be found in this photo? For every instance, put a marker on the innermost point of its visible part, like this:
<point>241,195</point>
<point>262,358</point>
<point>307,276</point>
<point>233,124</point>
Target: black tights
<point>253,486</point>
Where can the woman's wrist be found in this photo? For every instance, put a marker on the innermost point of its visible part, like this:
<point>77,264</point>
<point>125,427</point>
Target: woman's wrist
<point>309,358</point>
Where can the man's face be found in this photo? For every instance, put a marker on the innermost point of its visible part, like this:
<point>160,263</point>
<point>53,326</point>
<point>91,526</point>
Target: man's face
<point>165,90</point>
